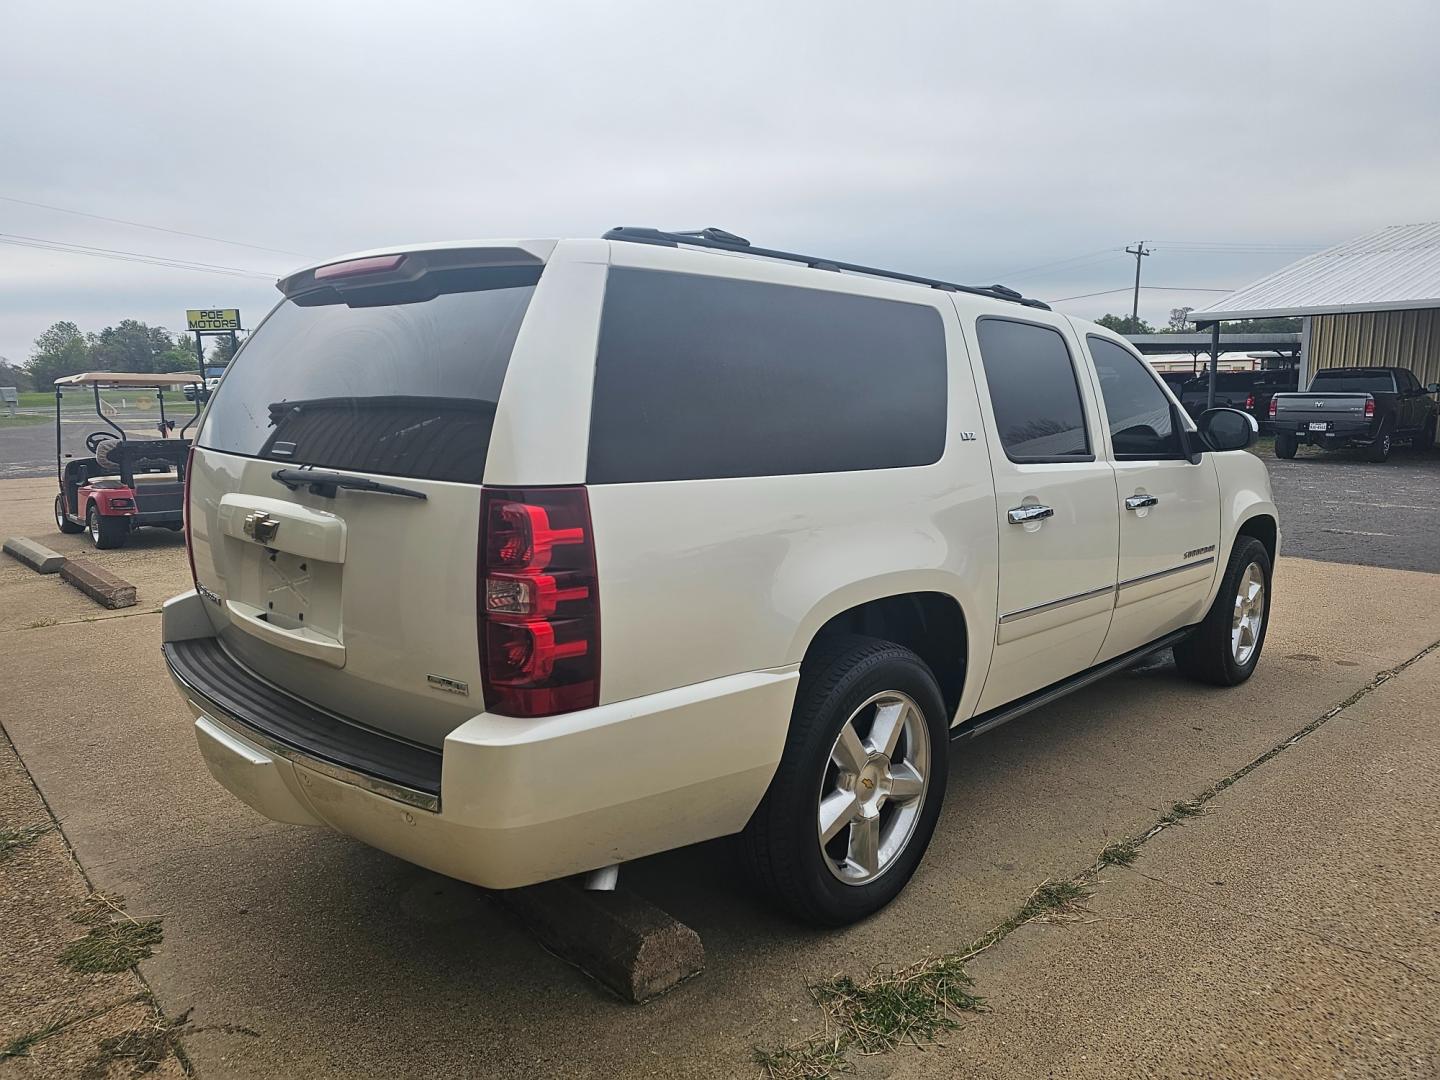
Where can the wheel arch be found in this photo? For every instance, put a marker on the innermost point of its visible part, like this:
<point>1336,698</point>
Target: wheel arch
<point>929,622</point>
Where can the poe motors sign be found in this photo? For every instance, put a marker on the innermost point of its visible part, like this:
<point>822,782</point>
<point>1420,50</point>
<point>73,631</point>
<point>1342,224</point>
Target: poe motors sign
<point>210,320</point>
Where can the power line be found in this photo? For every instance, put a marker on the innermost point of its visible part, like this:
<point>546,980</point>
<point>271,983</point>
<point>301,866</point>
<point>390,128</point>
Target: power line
<point>1057,262</point>
<point>63,248</point>
<point>143,225</point>
<point>1156,288</point>
<point>1296,245</point>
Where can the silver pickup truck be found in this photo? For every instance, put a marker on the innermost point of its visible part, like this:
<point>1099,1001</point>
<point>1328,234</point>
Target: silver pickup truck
<point>1371,407</point>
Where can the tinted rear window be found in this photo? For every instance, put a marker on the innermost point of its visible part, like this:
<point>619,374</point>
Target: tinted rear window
<point>703,377</point>
<point>392,387</point>
<point>1033,391</point>
<point>1347,382</point>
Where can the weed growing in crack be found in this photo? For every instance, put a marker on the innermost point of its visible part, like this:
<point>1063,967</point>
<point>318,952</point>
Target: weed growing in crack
<point>1120,853</point>
<point>145,1048</point>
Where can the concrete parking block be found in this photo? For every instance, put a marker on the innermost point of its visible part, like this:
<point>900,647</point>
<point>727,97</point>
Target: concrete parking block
<point>620,940</point>
<point>98,584</point>
<point>34,555</point>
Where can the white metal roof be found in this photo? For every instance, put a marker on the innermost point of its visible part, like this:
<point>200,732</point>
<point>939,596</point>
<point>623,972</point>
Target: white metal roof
<point>1392,268</point>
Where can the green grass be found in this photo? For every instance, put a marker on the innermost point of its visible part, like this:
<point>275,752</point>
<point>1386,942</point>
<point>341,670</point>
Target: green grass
<point>113,946</point>
<point>23,420</point>
<point>83,396</point>
<point>914,1004</point>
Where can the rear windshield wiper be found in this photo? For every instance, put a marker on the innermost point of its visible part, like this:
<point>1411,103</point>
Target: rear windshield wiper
<point>324,483</point>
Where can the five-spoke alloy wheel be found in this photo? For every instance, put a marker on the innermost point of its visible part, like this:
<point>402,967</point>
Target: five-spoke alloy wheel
<point>853,804</point>
<point>874,787</point>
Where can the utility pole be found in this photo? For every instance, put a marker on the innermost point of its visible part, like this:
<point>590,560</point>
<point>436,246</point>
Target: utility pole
<point>1139,252</point>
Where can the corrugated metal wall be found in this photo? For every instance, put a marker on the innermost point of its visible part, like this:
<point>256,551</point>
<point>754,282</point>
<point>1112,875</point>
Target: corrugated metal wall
<point>1384,338</point>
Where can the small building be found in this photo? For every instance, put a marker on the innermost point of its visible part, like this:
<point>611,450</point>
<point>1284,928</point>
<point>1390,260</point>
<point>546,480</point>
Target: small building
<point>1372,300</point>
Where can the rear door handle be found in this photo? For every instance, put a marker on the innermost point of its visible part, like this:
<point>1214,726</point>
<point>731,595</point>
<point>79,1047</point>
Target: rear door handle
<point>1139,502</point>
<point>1034,512</point>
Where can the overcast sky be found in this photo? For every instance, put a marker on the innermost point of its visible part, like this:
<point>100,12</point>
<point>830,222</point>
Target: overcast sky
<point>964,140</point>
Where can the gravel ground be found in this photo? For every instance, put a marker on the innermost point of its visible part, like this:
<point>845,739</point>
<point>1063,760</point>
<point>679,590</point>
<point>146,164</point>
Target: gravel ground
<point>1336,506</point>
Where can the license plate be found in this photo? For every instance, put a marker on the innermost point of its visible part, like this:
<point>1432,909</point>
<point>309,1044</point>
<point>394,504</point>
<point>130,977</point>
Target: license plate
<point>1319,425</point>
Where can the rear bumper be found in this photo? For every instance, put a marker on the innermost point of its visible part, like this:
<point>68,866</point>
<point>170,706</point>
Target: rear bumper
<point>1339,431</point>
<point>517,801</point>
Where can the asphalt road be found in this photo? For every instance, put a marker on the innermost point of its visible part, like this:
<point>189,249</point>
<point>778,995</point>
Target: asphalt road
<point>1338,507</point>
<point>30,451</point>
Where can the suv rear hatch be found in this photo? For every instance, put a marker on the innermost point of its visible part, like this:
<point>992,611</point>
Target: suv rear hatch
<point>335,490</point>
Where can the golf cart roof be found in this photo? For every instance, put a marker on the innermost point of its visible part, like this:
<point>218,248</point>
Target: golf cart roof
<point>129,378</point>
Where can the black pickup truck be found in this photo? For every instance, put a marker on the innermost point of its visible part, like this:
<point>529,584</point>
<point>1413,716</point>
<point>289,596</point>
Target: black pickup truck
<point>1373,407</point>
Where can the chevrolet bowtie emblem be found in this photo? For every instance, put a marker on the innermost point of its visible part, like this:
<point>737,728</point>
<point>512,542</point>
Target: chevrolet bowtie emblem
<point>869,784</point>
<point>261,527</point>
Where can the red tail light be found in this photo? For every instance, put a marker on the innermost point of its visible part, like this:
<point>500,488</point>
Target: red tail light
<point>185,512</point>
<point>1369,406</point>
<point>1249,402</point>
<point>1274,407</point>
<point>538,610</point>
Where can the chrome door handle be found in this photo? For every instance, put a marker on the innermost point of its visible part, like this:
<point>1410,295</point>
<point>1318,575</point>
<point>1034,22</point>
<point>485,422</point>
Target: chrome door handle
<point>1139,502</point>
<point>1034,512</point>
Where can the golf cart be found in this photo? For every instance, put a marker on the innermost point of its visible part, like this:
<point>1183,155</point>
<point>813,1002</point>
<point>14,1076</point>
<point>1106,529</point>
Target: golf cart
<point>132,480</point>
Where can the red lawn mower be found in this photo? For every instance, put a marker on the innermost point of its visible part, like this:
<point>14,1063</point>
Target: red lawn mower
<point>130,482</point>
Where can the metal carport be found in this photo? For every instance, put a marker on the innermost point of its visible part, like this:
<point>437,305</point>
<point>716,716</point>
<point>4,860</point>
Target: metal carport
<point>1371,300</point>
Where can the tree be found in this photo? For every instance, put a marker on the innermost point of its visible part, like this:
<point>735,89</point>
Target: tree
<point>1125,324</point>
<point>130,346</point>
<point>13,375</point>
<point>223,350</point>
<point>61,350</point>
<point>1262,326</point>
<point>1180,321</point>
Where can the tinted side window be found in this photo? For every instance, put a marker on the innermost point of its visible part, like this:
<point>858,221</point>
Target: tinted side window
<point>1033,391</point>
<point>1142,427</point>
<point>701,377</point>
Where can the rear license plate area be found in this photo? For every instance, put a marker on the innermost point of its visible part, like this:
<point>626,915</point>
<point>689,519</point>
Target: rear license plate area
<point>1319,425</point>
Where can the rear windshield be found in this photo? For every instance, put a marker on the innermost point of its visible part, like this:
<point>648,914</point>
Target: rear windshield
<point>398,386</point>
<point>1359,382</point>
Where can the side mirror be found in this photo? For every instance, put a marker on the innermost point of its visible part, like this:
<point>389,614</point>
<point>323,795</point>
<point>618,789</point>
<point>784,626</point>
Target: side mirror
<point>1432,388</point>
<point>1228,429</point>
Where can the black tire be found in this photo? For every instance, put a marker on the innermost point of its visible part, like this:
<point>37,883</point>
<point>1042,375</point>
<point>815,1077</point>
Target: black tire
<point>63,523</point>
<point>781,847</point>
<point>1286,445</point>
<point>1379,450</point>
<point>106,532</point>
<point>1207,655</point>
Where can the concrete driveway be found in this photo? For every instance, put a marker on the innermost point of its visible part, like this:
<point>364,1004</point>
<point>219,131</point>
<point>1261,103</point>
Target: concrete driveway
<point>347,961</point>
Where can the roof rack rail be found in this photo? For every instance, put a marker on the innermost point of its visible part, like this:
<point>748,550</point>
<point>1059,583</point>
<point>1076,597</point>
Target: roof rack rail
<point>720,240</point>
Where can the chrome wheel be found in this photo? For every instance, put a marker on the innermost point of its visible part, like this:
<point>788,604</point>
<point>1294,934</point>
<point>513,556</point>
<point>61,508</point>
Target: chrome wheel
<point>1249,617</point>
<point>874,787</point>
<point>94,521</point>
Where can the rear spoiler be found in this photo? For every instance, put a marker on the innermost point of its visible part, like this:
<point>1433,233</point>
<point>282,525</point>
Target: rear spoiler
<point>368,269</point>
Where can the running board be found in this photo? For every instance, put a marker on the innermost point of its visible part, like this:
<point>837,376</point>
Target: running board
<point>978,725</point>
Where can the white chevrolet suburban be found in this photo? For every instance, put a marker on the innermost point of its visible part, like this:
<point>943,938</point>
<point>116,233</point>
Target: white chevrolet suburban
<point>523,559</point>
